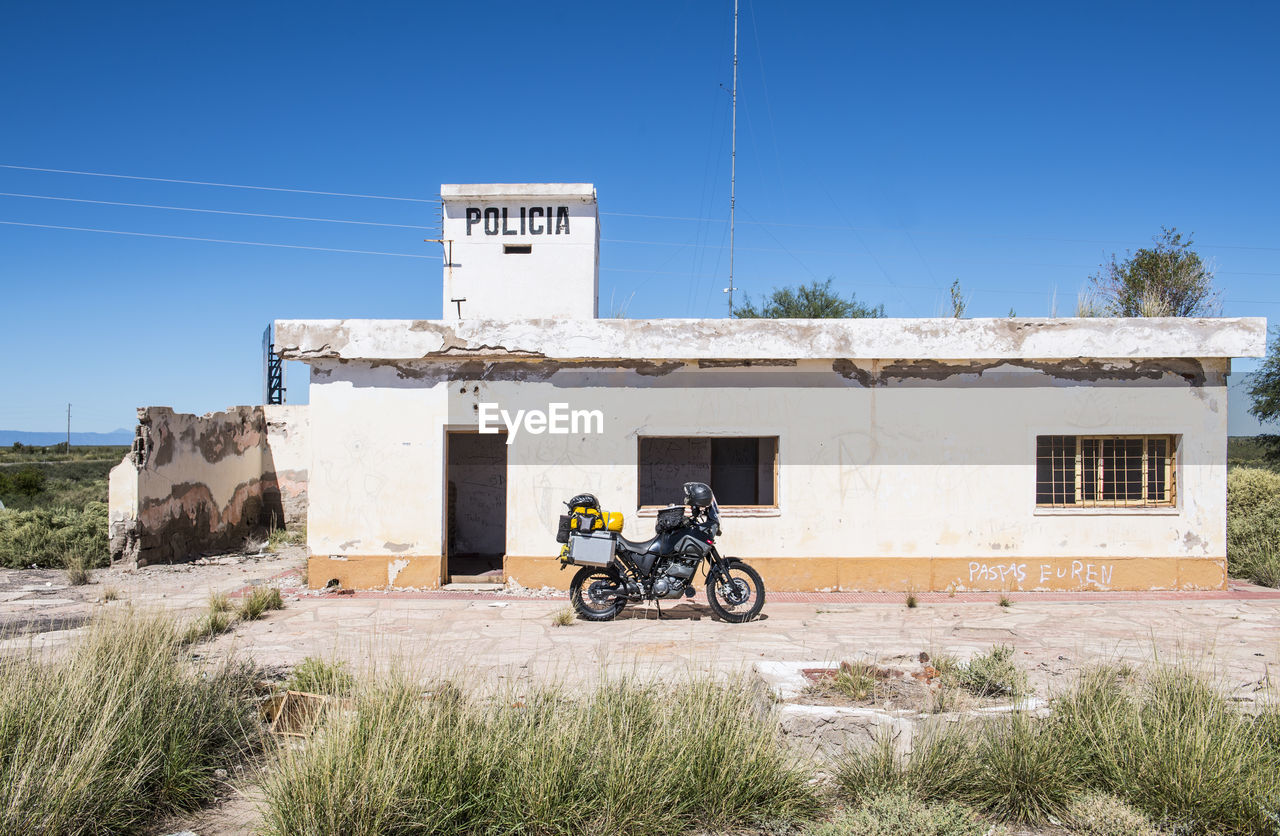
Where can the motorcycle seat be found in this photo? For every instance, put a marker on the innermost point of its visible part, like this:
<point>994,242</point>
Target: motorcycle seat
<point>641,546</point>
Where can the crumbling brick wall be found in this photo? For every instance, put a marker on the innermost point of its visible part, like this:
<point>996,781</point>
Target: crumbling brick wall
<point>197,484</point>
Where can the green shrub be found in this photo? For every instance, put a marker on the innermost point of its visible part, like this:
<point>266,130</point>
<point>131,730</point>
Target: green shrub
<point>621,758</point>
<point>1251,488</point>
<point>991,673</point>
<point>118,731</point>
<point>27,481</point>
<point>61,453</point>
<point>48,537</point>
<point>1253,525</point>
<point>316,676</point>
<point>70,484</point>
<point>898,814</point>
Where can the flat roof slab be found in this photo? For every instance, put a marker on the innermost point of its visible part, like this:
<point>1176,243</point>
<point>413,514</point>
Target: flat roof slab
<point>772,339</point>
<point>493,191</point>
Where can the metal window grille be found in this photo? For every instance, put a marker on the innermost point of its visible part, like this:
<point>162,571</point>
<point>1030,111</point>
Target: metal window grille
<point>1106,471</point>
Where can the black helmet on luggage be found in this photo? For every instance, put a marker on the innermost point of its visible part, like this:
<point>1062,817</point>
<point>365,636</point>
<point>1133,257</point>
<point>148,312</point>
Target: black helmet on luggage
<point>584,500</point>
<point>698,494</point>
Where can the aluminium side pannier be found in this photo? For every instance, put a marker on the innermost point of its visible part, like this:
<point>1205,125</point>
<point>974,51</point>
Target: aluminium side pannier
<point>591,548</point>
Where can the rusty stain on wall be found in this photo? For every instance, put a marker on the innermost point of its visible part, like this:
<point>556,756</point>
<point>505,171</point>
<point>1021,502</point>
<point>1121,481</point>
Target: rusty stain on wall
<point>1193,372</point>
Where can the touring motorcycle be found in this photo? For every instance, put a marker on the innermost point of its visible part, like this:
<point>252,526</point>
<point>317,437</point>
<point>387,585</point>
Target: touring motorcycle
<point>615,570</point>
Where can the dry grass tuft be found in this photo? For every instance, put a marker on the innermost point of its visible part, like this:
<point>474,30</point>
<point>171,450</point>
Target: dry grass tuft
<point>78,575</point>
<point>259,600</point>
<point>285,537</point>
<point>77,568</point>
<point>118,732</point>
<point>857,681</point>
<point>1167,744</point>
<point>899,814</point>
<point>212,623</point>
<point>622,758</point>
<point>1098,814</point>
<point>563,617</point>
<point>316,676</point>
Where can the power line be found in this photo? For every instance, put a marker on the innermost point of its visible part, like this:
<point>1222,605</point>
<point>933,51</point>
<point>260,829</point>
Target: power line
<point>211,211</point>
<point>612,214</point>
<point>220,185</point>
<point>414,255</point>
<point>721,247</point>
<point>212,240</point>
<point>848,227</point>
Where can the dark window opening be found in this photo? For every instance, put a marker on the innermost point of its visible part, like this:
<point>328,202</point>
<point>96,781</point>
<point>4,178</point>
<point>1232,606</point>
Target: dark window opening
<point>517,249</point>
<point>740,471</point>
<point>1105,471</point>
<point>1055,469</point>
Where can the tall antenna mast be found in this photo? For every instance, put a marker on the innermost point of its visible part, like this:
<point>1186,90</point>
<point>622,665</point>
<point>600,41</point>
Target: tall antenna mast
<point>733,153</point>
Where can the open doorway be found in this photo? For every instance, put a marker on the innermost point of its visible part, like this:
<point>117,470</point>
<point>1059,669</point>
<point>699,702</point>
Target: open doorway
<point>475,506</point>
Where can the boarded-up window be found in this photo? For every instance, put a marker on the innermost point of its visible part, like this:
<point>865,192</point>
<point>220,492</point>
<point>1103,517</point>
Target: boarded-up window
<point>740,471</point>
<point>1120,471</point>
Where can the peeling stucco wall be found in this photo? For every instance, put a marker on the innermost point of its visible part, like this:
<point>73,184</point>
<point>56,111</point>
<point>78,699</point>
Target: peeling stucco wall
<point>286,461</point>
<point>880,460</point>
<point>196,484</point>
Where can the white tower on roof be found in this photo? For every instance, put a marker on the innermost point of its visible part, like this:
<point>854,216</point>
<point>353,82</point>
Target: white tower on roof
<point>521,251</point>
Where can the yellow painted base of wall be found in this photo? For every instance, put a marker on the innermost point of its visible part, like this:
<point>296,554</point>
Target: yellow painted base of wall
<point>943,574</point>
<point>376,571</point>
<point>833,574</point>
<point>537,572</point>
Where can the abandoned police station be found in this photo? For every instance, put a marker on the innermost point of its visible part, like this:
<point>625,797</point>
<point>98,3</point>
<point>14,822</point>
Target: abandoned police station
<point>860,454</point>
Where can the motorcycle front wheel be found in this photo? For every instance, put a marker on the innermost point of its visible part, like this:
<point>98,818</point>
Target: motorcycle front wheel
<point>735,592</point>
<point>595,593</point>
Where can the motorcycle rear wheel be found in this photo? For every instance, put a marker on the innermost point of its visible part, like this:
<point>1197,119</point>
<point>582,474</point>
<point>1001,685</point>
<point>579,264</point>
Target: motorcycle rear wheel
<point>735,593</point>
<point>588,592</point>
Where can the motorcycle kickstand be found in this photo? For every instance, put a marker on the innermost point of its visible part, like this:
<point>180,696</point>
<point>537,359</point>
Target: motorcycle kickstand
<point>658,605</point>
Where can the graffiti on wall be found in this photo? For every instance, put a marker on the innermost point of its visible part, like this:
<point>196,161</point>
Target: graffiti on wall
<point>1079,573</point>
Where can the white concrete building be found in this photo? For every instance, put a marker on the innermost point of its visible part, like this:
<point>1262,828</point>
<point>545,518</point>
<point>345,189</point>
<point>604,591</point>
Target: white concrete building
<point>873,454</point>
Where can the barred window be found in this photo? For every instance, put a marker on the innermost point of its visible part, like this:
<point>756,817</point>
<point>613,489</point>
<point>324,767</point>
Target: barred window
<point>1105,471</point>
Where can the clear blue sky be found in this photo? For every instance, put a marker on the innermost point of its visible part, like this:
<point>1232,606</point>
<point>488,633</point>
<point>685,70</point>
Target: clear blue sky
<point>893,146</point>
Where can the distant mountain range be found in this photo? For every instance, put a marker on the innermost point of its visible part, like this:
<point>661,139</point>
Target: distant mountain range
<point>7,437</point>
